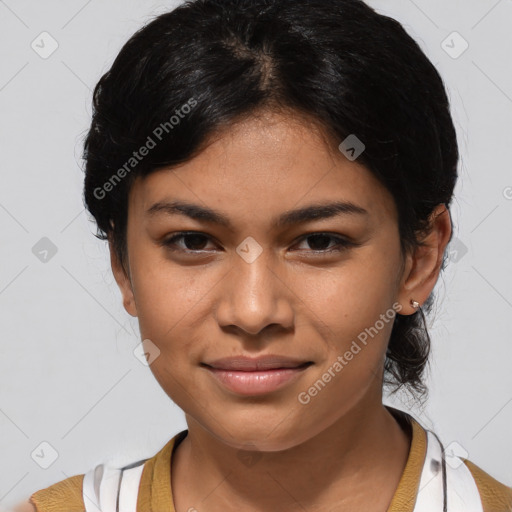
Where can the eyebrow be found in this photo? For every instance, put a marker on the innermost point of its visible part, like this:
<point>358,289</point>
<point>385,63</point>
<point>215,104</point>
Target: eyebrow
<point>301,215</point>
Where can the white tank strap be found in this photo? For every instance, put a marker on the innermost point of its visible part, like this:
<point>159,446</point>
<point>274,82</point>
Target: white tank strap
<point>129,491</point>
<point>446,483</point>
<point>109,489</point>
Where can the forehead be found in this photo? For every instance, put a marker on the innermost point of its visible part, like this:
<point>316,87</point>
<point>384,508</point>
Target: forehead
<point>268,162</point>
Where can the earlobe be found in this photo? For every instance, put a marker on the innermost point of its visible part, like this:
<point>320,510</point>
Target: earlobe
<point>123,281</point>
<point>422,268</point>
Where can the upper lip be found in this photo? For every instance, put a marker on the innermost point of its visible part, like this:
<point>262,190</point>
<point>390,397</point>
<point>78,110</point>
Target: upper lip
<point>248,364</point>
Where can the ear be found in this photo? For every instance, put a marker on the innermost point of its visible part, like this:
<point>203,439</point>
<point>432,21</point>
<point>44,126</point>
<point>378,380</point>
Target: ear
<point>123,281</point>
<point>423,266</point>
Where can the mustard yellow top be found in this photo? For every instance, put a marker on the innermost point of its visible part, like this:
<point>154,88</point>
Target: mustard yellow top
<point>155,493</point>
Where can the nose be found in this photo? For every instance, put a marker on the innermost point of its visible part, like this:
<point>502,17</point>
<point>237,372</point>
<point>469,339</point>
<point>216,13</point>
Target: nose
<point>254,296</point>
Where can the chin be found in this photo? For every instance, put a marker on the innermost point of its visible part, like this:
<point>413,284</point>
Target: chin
<point>264,436</point>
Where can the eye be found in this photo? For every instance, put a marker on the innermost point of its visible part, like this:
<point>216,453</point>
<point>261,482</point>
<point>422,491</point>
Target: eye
<point>320,243</point>
<point>194,241</point>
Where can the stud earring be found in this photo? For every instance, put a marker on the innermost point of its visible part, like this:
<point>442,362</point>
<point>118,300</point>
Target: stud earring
<point>415,304</point>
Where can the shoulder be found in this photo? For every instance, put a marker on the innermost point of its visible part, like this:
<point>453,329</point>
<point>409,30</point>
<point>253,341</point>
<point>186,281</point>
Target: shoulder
<point>495,496</point>
<point>66,493</point>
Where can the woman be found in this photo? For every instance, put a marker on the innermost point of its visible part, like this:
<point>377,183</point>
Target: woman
<point>230,138</point>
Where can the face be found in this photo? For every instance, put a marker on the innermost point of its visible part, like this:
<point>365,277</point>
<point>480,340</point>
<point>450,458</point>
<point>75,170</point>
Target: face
<point>310,288</point>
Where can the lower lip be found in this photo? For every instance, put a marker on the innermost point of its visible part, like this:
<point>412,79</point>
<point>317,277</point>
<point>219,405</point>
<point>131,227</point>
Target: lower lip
<point>256,382</point>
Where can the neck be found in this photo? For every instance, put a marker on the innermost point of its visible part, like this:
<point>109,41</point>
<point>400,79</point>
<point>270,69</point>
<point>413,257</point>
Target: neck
<point>333,467</point>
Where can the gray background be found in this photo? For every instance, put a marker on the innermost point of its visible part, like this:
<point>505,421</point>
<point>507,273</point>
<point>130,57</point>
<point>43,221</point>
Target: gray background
<point>68,374</point>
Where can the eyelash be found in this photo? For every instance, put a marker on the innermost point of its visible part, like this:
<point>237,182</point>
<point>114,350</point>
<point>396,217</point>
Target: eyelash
<point>342,243</point>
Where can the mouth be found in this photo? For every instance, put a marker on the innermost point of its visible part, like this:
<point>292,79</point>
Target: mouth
<point>256,379</point>
<point>247,364</point>
<point>257,367</point>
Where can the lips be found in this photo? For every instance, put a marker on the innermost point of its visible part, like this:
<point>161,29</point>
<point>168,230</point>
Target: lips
<point>248,376</point>
<point>249,364</point>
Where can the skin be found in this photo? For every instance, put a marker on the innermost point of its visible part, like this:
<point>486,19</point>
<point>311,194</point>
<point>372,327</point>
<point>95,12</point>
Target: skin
<point>289,301</point>
<point>25,506</point>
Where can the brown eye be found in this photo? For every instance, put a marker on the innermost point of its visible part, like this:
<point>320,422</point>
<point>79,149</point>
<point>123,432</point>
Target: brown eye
<point>195,242</point>
<point>320,243</point>
<point>192,241</point>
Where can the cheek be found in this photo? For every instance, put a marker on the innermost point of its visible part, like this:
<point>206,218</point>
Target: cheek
<point>174,312</point>
<point>349,298</point>
<point>167,296</point>
<point>352,312</point>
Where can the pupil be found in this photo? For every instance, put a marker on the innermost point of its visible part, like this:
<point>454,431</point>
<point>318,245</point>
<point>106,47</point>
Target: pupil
<point>325,238</point>
<point>196,240</point>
